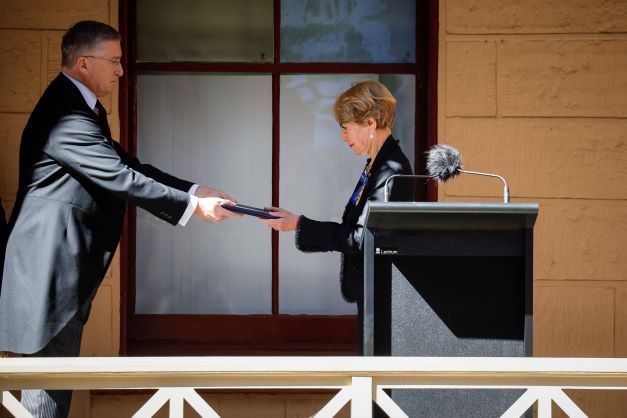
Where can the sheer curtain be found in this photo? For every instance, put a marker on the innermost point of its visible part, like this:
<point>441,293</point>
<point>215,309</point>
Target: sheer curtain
<point>206,129</point>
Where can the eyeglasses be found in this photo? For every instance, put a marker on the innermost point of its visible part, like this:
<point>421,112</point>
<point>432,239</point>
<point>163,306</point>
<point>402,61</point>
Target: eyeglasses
<point>116,63</point>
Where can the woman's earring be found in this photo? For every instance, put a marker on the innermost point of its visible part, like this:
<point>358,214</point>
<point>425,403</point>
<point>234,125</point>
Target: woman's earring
<point>371,136</point>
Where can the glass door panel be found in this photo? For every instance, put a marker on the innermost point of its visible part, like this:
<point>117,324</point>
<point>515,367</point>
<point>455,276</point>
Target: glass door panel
<point>205,30</point>
<point>364,31</point>
<point>205,128</point>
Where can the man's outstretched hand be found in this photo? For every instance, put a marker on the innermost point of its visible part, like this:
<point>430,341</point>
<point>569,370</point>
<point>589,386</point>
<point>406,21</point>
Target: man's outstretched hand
<point>203,191</point>
<point>210,209</point>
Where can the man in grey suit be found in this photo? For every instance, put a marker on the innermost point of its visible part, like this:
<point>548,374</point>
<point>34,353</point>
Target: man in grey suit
<point>73,186</point>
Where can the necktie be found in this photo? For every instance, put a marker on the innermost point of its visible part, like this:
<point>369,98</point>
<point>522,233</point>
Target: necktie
<point>102,118</point>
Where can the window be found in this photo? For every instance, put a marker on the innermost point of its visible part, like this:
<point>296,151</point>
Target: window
<point>220,100</point>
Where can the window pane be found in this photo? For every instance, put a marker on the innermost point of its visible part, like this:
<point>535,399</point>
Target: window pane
<point>318,175</point>
<point>206,128</point>
<point>367,31</point>
<point>205,30</point>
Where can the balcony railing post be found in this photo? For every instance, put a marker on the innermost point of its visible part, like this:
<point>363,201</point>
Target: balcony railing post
<point>177,404</point>
<point>544,406</point>
<point>361,401</point>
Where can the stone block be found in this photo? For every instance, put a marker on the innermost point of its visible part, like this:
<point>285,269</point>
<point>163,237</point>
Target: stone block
<point>471,78</point>
<point>98,337</point>
<point>570,78</point>
<point>536,16</point>
<point>306,408</point>
<point>576,240</point>
<point>581,240</point>
<point>621,322</point>
<point>20,70</point>
<point>53,56</point>
<point>246,407</point>
<point>80,406</point>
<point>11,127</point>
<point>596,403</point>
<point>541,158</point>
<point>58,14</point>
<point>573,321</point>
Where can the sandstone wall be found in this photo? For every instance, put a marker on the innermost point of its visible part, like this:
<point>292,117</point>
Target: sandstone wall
<point>536,91</point>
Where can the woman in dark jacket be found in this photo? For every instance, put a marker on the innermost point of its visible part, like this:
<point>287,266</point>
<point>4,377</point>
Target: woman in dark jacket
<point>365,113</point>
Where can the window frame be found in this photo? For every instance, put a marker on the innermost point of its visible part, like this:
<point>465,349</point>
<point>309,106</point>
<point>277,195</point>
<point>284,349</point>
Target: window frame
<point>276,333</point>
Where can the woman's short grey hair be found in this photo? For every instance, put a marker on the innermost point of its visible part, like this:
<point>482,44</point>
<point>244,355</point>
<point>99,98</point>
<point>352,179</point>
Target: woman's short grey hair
<point>82,38</point>
<point>366,98</point>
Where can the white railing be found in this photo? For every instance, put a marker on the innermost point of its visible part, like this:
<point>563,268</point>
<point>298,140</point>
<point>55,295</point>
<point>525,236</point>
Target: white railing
<point>359,380</point>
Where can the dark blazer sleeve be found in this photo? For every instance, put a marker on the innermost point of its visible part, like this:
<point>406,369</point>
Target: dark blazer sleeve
<point>77,143</point>
<point>345,237</point>
<point>317,236</point>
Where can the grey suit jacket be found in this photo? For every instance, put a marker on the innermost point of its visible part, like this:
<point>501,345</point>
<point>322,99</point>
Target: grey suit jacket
<point>66,223</point>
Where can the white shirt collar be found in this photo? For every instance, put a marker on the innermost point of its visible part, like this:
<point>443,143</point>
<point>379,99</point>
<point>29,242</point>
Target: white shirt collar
<point>90,98</point>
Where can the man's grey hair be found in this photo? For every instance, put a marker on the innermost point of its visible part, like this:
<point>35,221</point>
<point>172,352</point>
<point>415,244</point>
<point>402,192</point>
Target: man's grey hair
<point>83,37</point>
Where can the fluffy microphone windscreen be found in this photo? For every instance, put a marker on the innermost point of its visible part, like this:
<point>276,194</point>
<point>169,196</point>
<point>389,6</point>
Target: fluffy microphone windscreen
<point>443,162</point>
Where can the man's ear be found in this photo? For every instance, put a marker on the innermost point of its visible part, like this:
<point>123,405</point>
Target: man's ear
<point>81,64</point>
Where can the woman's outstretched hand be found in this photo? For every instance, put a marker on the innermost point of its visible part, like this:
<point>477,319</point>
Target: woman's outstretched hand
<point>286,221</point>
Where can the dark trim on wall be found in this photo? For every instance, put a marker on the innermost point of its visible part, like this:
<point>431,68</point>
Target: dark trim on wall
<point>123,111</point>
<point>432,87</point>
<point>223,334</point>
<point>276,152</point>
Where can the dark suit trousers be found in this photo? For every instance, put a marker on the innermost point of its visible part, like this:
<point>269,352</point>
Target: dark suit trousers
<point>67,343</point>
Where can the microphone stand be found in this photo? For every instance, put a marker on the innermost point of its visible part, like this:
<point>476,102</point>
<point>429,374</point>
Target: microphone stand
<point>425,176</point>
<point>505,187</point>
<point>385,187</point>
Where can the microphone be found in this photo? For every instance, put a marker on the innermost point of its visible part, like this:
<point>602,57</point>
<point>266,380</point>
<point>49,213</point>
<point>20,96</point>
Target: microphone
<point>444,162</point>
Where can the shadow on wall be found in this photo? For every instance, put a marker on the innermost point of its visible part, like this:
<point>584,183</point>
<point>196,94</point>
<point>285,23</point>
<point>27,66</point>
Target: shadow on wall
<point>4,232</point>
<point>3,239</point>
<point>3,222</point>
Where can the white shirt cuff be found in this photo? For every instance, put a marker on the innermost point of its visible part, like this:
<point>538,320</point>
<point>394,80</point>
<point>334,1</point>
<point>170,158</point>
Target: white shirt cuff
<point>191,208</point>
<point>192,190</point>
